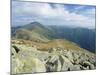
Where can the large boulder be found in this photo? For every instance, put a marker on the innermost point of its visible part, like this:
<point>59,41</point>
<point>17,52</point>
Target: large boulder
<point>30,65</point>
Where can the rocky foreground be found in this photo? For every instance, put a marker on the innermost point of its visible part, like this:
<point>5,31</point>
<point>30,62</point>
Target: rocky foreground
<point>28,59</point>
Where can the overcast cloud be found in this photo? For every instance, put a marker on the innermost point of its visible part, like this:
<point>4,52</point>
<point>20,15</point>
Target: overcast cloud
<point>53,14</point>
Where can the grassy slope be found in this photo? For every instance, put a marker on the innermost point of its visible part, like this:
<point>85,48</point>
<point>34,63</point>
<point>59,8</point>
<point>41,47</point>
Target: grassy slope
<point>44,46</point>
<point>38,33</point>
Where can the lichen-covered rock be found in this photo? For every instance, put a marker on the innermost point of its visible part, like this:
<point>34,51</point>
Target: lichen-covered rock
<point>52,63</point>
<point>28,59</point>
<point>66,63</point>
<point>75,68</point>
<point>30,65</point>
<point>17,66</point>
<point>87,63</point>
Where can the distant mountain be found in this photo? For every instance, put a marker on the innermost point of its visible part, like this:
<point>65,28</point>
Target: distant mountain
<point>35,31</point>
<point>84,37</point>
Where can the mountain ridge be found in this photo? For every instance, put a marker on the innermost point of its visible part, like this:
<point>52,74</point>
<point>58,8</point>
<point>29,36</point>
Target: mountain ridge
<point>81,36</point>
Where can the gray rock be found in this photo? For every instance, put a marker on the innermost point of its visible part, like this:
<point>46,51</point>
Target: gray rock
<point>87,63</point>
<point>31,60</point>
<point>75,68</point>
<point>66,63</point>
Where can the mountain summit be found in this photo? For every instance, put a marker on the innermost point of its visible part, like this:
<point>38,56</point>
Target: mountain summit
<point>33,25</point>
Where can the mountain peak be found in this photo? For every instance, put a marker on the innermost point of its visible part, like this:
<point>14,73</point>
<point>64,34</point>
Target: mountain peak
<point>33,25</point>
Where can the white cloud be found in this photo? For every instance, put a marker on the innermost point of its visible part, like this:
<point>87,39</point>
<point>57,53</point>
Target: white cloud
<point>46,14</point>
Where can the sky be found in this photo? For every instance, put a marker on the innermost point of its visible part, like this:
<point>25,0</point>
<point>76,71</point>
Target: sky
<point>53,14</point>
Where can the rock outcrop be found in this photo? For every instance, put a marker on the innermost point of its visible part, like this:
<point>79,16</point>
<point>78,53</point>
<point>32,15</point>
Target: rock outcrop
<point>27,59</point>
